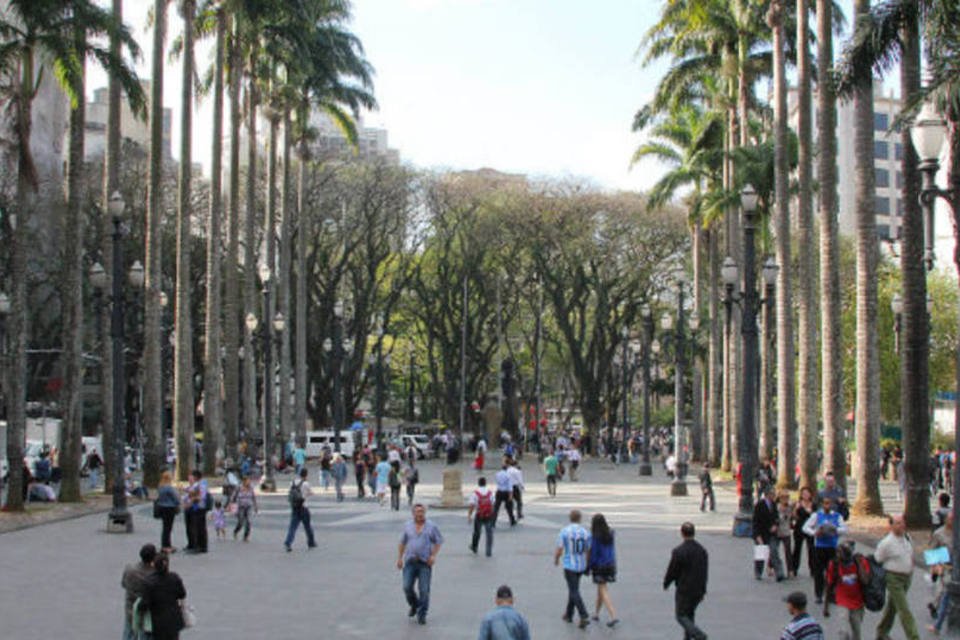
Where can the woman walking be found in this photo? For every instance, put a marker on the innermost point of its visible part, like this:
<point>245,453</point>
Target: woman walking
<point>411,477</point>
<point>603,566</point>
<point>785,530</point>
<point>339,471</point>
<point>360,469</point>
<point>168,504</point>
<point>246,499</point>
<point>801,513</point>
<point>162,596</point>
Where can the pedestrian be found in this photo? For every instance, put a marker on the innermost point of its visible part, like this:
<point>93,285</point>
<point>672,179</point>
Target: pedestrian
<point>481,453</point>
<point>393,479</point>
<point>573,545</point>
<point>836,493</point>
<point>481,511</point>
<point>801,626</point>
<point>94,463</point>
<point>219,518</point>
<point>371,459</point>
<point>504,622</point>
<point>504,494</point>
<point>846,575</point>
<point>706,489</point>
<point>826,526</point>
<point>381,474</point>
<point>246,499</point>
<point>360,471</point>
<point>802,511</point>
<point>326,459</point>
<point>603,566</point>
<point>550,464</point>
<point>134,583</point>
<point>574,456</point>
<point>419,545</point>
<point>516,479</point>
<point>299,457</point>
<point>195,513</point>
<point>299,512</point>
<point>339,471</point>
<point>784,535</point>
<point>766,524</point>
<point>162,597</point>
<point>688,569</point>
<point>167,505</point>
<point>411,477</point>
<point>940,575</point>
<point>895,554</point>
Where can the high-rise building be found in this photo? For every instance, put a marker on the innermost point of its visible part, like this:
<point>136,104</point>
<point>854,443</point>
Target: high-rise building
<point>331,141</point>
<point>132,128</point>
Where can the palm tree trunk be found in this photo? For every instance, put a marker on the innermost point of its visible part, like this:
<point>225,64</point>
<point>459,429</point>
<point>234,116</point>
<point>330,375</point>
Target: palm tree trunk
<point>111,183</point>
<point>697,436</point>
<point>806,285</point>
<point>72,296</point>
<point>300,326</point>
<point>231,291</point>
<point>155,450</point>
<point>715,346</point>
<point>184,412</point>
<point>914,343</point>
<point>868,369</point>
<point>785,345</point>
<point>270,258</point>
<point>250,297</point>
<point>213,375</point>
<point>831,390</point>
<point>283,282</point>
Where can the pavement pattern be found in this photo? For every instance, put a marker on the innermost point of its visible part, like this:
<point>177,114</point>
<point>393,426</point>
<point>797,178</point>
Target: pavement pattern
<point>62,579</point>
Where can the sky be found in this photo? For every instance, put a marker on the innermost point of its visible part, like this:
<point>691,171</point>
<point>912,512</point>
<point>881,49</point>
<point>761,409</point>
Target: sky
<point>546,88</point>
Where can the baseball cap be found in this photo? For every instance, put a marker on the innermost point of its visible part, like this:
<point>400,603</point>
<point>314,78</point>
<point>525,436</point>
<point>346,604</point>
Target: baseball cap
<point>504,592</point>
<point>797,599</point>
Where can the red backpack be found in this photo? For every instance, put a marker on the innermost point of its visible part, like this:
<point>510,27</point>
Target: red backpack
<point>484,505</point>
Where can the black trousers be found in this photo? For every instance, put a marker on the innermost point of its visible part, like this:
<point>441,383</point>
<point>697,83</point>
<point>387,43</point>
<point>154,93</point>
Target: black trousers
<point>197,529</point>
<point>167,516</point>
<point>518,498</point>
<point>504,497</point>
<point>800,539</point>
<point>685,608</point>
<point>821,557</point>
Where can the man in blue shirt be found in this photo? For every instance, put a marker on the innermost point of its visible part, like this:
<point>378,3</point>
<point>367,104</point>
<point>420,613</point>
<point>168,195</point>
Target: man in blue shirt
<point>573,545</point>
<point>504,623</point>
<point>419,546</point>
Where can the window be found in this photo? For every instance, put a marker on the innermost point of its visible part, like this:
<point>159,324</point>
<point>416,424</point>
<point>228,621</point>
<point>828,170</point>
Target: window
<point>898,151</point>
<point>899,180</point>
<point>882,206</point>
<point>881,150</point>
<point>883,231</point>
<point>881,122</point>
<point>883,178</point>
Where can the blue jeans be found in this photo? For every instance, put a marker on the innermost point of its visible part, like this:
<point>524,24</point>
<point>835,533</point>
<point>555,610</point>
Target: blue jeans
<point>487,525</point>
<point>296,517</point>
<point>94,478</point>
<point>574,600</point>
<point>420,572</point>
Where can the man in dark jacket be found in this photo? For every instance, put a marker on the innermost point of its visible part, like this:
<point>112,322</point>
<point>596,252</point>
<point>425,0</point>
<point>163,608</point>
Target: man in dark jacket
<point>688,569</point>
<point>765,520</point>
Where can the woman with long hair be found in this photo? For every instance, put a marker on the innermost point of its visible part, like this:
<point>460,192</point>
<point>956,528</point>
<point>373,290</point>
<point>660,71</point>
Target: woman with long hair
<point>246,498</point>
<point>603,566</point>
<point>162,596</point>
<point>802,510</point>
<point>166,508</point>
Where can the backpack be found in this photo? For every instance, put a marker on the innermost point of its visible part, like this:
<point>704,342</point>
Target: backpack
<point>875,589</point>
<point>295,495</point>
<point>484,505</point>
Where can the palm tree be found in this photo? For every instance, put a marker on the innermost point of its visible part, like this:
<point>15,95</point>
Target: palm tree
<point>65,36</point>
<point>868,370</point>
<point>155,444</point>
<point>184,411</point>
<point>806,277</point>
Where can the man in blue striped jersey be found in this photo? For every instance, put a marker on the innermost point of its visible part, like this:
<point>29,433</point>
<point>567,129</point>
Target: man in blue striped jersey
<point>573,545</point>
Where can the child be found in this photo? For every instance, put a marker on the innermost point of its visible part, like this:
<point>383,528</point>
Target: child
<point>219,520</point>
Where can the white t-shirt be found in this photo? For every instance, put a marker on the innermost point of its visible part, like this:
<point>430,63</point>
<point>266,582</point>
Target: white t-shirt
<point>504,481</point>
<point>516,477</point>
<point>393,455</point>
<point>573,455</point>
<point>481,446</point>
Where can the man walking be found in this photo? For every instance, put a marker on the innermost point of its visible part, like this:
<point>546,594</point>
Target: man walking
<point>504,494</point>
<point>516,479</point>
<point>481,504</point>
<point>419,545</point>
<point>688,569</point>
<point>550,464</point>
<point>801,626</point>
<point>134,583</point>
<point>706,489</point>
<point>765,532</point>
<point>297,496</point>
<point>573,545</point>
<point>895,553</point>
<point>846,575</point>
<point>504,622</point>
<point>826,526</point>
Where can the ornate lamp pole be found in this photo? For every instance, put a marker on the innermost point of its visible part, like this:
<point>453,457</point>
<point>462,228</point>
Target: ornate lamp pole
<point>768,302</point>
<point>337,347</point>
<point>645,468</point>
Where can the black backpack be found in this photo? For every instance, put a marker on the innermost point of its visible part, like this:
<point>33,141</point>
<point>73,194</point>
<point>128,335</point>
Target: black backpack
<point>295,495</point>
<point>875,589</point>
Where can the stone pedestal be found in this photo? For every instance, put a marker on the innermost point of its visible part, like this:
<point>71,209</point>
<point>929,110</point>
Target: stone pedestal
<point>452,496</point>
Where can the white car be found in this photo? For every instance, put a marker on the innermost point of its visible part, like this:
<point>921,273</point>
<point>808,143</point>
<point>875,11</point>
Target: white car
<point>419,441</point>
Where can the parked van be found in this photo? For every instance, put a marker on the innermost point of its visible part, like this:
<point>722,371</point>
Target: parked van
<point>419,441</point>
<point>317,440</point>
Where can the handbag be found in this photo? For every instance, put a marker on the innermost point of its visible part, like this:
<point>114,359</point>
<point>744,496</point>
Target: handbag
<point>189,615</point>
<point>761,552</point>
<point>156,510</point>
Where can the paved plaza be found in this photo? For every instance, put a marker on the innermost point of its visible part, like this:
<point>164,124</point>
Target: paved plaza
<point>62,580</point>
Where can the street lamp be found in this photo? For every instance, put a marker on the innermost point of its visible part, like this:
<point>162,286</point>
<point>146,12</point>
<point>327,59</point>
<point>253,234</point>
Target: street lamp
<point>269,483</point>
<point>336,347</point>
<point>647,345</point>
<point>679,485</point>
<point>119,520</point>
<point>378,361</point>
<point>896,305</point>
<point>927,134</point>
<point>625,419</point>
<point>4,311</point>
<point>768,320</point>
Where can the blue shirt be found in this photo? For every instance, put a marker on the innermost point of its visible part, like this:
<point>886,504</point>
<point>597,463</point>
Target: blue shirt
<point>575,541</point>
<point>602,555</point>
<point>503,481</point>
<point>299,456</point>
<point>504,623</point>
<point>419,546</point>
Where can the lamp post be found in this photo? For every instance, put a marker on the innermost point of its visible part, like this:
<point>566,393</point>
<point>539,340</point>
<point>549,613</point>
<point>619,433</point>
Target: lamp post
<point>625,419</point>
<point>119,520</point>
<point>679,485</point>
<point>4,311</point>
<point>896,305</point>
<point>747,440</point>
<point>927,134</point>
<point>336,349</point>
<point>645,467</point>
<point>379,380</point>
<point>411,387</point>
<point>768,302</point>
